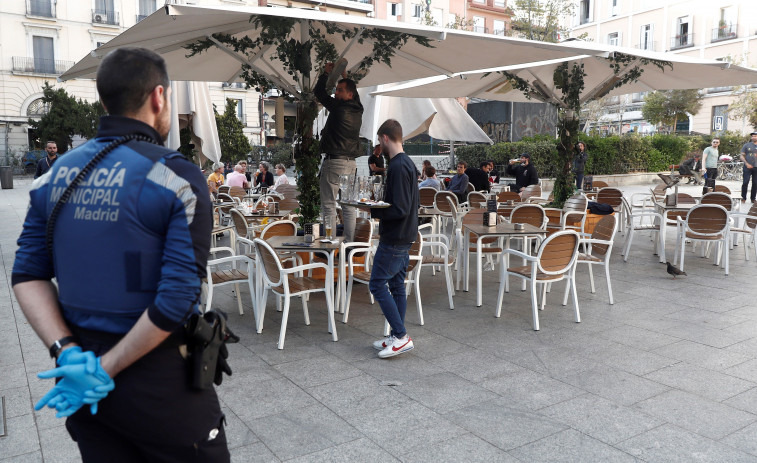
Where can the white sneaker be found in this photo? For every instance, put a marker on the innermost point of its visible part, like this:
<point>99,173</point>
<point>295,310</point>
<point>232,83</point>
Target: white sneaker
<point>382,343</point>
<point>397,347</point>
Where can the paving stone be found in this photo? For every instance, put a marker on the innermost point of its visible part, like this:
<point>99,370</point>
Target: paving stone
<point>265,398</point>
<point>468,448</point>
<point>33,457</point>
<point>707,318</point>
<point>744,439</point>
<point>254,453</point>
<point>17,402</point>
<point>702,416</point>
<point>318,370</point>
<point>358,395</point>
<point>601,418</point>
<point>629,359</point>
<point>638,337</point>
<point>403,368</point>
<point>671,444</point>
<point>618,386</point>
<point>349,452</point>
<point>299,431</point>
<point>746,370</point>
<point>476,366</point>
<point>531,390</point>
<point>701,381</point>
<point>445,392</point>
<point>705,356</point>
<point>237,432</point>
<point>570,446</point>
<point>58,446</point>
<point>505,427</point>
<point>21,436</point>
<point>746,401</point>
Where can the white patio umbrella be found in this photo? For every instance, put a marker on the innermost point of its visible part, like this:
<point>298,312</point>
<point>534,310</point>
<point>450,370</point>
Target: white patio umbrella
<point>191,106</point>
<point>173,27</point>
<point>682,73</point>
<point>441,118</point>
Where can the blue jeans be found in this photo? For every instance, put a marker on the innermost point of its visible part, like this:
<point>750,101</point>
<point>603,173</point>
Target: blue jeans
<point>749,174</point>
<point>388,284</point>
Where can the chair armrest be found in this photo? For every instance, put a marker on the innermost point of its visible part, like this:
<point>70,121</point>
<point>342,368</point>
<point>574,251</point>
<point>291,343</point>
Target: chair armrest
<point>520,254</point>
<point>552,209</point>
<point>596,241</point>
<point>224,260</point>
<point>223,249</point>
<point>300,268</point>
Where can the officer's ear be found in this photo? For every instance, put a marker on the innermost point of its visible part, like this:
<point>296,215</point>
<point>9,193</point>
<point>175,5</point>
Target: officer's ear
<point>158,98</point>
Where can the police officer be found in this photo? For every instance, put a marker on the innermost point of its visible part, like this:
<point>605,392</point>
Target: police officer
<point>128,250</point>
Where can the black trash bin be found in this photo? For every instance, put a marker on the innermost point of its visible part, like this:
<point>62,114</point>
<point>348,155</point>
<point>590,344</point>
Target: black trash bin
<point>6,177</point>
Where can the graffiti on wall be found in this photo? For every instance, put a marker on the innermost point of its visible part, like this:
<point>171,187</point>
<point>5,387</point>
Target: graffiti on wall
<point>534,119</point>
<point>528,119</point>
<point>497,131</point>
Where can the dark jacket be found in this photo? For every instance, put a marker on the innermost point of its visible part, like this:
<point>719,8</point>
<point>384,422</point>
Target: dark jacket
<point>690,165</point>
<point>579,162</point>
<point>43,165</point>
<point>399,222</point>
<point>266,181</point>
<point>524,175</point>
<point>478,178</point>
<point>341,134</point>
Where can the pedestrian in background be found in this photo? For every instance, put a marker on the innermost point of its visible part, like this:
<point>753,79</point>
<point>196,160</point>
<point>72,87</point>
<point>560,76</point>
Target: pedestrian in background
<point>579,164</point>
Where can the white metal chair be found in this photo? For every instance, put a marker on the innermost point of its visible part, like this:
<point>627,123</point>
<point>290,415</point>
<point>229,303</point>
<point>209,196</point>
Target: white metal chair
<point>747,229</point>
<point>555,261</point>
<point>572,215</point>
<point>632,226</point>
<point>218,274</point>
<point>598,250</point>
<point>289,282</point>
<point>706,223</point>
<point>442,255</point>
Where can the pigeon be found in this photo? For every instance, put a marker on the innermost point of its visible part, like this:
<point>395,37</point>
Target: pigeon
<point>673,270</point>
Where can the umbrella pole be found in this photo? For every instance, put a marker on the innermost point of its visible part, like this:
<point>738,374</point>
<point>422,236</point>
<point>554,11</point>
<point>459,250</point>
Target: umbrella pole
<point>451,154</point>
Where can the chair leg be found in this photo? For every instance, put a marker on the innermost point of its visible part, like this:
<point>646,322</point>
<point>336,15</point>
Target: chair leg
<point>534,309</point>
<point>284,318</point>
<point>575,296</point>
<point>239,298</point>
<point>305,309</point>
<point>330,310</point>
<point>209,299</point>
<point>543,296</point>
<point>450,290</point>
<point>253,298</point>
<point>627,247</point>
<point>262,302</point>
<point>591,278</point>
<point>609,283</point>
<point>503,277</point>
<point>387,329</point>
<point>348,298</point>
<point>418,297</point>
<point>567,293</point>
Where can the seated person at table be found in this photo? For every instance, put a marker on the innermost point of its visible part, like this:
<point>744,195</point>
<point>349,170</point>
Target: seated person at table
<point>479,178</point>
<point>263,178</point>
<point>692,166</point>
<point>523,171</point>
<point>281,176</point>
<point>216,178</point>
<point>431,180</point>
<point>493,173</point>
<point>237,178</point>
<point>459,183</point>
<point>426,163</point>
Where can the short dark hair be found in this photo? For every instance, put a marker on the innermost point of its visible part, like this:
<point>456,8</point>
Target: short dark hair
<point>350,86</point>
<point>51,141</point>
<point>484,164</point>
<point>430,171</point>
<point>392,129</point>
<point>715,138</point>
<point>126,77</point>
<point>462,163</point>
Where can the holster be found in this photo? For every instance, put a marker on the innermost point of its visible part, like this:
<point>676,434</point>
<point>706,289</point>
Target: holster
<point>207,335</point>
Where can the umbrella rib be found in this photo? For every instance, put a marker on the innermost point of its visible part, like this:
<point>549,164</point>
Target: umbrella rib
<point>352,42</point>
<point>254,58</point>
<point>541,89</point>
<point>607,85</point>
<point>490,86</point>
<point>423,63</point>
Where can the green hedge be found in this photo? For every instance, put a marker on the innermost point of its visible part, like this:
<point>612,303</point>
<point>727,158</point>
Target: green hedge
<point>607,155</point>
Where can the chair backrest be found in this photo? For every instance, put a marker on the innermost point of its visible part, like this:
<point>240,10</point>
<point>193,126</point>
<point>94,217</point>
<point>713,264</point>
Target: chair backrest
<point>751,221</point>
<point>707,219</point>
<point>427,196</point>
<point>658,192</point>
<point>685,198</point>
<point>363,230</point>
<point>279,228</point>
<point>504,196</point>
<point>531,191</point>
<point>599,184</point>
<point>470,187</point>
<point>532,214</point>
<point>576,203</point>
<point>237,192</point>
<point>224,189</point>
<point>476,199</point>
<point>722,189</point>
<point>610,196</point>
<point>604,230</point>
<point>240,223</point>
<point>718,198</point>
<point>225,197</point>
<point>415,250</point>
<point>288,204</point>
<point>271,262</point>
<point>441,201</point>
<point>558,252</point>
<point>288,191</point>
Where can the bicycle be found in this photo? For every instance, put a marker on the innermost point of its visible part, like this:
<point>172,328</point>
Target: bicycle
<point>730,170</point>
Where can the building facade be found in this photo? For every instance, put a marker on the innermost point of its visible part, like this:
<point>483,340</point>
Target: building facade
<point>713,30</point>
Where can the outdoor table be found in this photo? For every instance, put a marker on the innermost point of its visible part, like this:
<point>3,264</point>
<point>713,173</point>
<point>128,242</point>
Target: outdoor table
<point>664,209</point>
<point>505,229</point>
<point>298,244</point>
<point>249,216</point>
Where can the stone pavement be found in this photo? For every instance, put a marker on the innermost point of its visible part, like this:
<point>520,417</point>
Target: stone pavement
<point>667,373</point>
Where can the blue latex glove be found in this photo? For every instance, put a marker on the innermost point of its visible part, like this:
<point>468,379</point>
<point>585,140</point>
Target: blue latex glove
<point>74,355</point>
<point>77,387</point>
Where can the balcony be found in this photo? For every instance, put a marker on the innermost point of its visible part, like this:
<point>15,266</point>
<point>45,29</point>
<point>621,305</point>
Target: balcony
<point>141,17</point>
<point>41,8</point>
<point>682,41</point>
<point>481,29</point>
<point>26,64</point>
<point>107,17</point>
<point>724,32</point>
<point>650,45</point>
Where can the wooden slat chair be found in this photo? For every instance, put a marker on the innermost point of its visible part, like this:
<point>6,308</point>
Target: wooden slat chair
<point>671,217</point>
<point>719,198</point>
<point>237,192</point>
<point>722,189</point>
<point>446,203</point>
<point>612,197</point>
<point>442,255</point>
<point>747,229</point>
<point>599,184</point>
<point>219,274</point>
<point>707,223</point>
<point>476,200</point>
<point>244,232</point>
<point>504,196</point>
<point>288,191</point>
<point>658,192</point>
<point>531,214</point>
<point>598,250</point>
<point>491,246</point>
<point>555,261</point>
<point>224,189</point>
<point>653,225</point>
<point>427,195</point>
<point>469,188</point>
<point>572,216</point>
<point>289,282</point>
<point>531,194</point>
<point>411,278</point>
<point>356,251</point>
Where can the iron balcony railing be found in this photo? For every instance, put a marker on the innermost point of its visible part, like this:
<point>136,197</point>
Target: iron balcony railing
<point>650,45</point>
<point>724,32</point>
<point>40,65</point>
<point>481,29</point>
<point>43,8</point>
<point>105,17</point>
<point>682,41</point>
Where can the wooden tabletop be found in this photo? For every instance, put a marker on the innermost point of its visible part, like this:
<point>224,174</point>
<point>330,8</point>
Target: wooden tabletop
<point>503,228</point>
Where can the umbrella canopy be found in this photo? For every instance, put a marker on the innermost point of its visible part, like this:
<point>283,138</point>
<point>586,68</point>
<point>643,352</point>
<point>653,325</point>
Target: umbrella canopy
<point>172,28</point>
<point>441,118</point>
<point>679,72</point>
<point>191,106</point>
